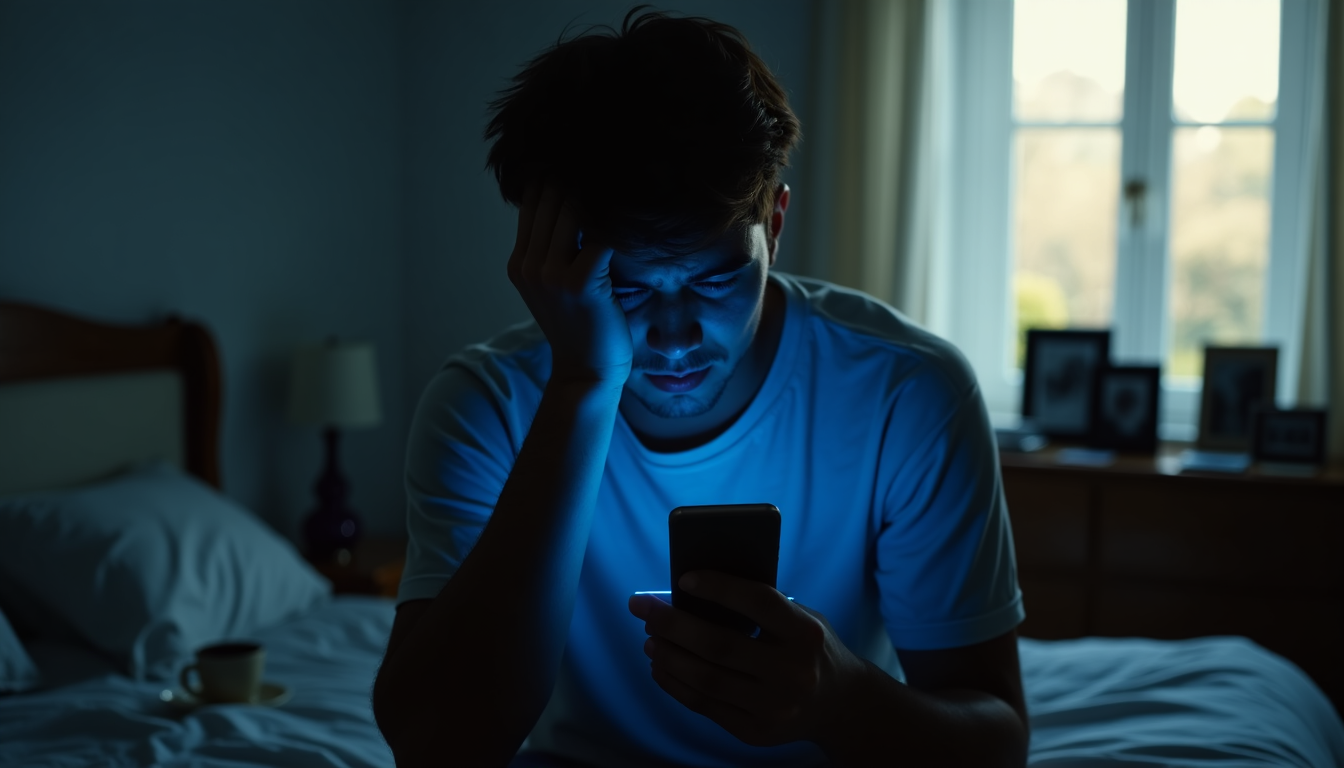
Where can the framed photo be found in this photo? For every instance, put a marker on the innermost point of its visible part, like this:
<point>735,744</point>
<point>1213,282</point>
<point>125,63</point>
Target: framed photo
<point>1237,382</point>
<point>1060,378</point>
<point>1289,437</point>
<point>1124,408</point>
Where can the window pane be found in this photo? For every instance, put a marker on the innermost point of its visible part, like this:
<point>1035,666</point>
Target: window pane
<point>1219,239</point>
<point>1067,185</point>
<point>1227,60</point>
<point>1068,60</point>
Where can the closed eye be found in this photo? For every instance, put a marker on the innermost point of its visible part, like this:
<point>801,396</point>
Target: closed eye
<point>629,296</point>
<point>716,286</point>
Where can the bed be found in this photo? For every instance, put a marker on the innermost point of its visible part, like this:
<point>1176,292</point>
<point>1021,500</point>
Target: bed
<point>103,428</point>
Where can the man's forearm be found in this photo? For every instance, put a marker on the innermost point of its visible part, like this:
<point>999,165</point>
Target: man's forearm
<point>482,659</point>
<point>885,722</point>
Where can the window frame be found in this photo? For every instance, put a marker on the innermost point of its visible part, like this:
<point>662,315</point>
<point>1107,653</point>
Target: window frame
<point>977,291</point>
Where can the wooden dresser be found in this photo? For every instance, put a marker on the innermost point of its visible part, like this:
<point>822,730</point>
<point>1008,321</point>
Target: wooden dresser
<point>1138,548</point>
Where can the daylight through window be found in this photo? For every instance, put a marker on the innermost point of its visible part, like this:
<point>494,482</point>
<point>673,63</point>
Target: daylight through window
<point>1074,191</point>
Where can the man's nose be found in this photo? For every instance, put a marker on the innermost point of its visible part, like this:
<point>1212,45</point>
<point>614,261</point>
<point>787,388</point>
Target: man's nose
<point>675,330</point>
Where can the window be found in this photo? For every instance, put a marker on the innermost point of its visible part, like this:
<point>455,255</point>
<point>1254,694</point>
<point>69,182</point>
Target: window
<point>1131,165</point>
<point>1068,103</point>
<point>1225,88</point>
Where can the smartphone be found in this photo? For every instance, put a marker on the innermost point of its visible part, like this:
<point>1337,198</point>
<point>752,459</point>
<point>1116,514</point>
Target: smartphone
<point>740,539</point>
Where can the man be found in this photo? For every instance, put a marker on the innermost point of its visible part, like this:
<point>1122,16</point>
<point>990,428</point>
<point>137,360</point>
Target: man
<point>666,367</point>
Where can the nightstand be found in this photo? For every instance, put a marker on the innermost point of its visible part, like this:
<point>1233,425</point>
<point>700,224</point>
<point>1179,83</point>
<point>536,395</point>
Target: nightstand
<point>373,567</point>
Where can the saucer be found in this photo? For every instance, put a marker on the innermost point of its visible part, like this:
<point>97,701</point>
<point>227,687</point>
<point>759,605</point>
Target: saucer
<point>270,695</point>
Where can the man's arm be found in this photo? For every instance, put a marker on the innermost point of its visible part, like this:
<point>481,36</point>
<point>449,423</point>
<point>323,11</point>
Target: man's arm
<point>468,673</point>
<point>960,706</point>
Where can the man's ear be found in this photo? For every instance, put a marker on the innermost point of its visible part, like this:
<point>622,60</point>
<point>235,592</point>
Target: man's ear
<point>777,220</point>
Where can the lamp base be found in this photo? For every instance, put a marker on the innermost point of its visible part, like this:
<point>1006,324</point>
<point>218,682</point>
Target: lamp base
<point>332,526</point>
<point>328,535</point>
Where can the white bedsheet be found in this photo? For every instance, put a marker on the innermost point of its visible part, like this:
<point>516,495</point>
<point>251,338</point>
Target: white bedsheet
<point>328,657</point>
<point>1212,702</point>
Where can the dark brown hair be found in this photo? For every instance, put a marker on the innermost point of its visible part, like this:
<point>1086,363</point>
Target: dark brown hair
<point>668,132</point>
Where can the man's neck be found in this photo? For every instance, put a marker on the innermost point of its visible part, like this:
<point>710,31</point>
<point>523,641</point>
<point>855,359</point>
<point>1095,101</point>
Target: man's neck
<point>683,434</point>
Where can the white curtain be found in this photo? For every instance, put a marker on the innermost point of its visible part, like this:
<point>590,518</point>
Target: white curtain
<point>1321,382</point>
<point>879,136</point>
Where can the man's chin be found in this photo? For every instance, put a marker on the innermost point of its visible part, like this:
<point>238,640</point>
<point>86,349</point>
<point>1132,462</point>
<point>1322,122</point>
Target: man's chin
<point>670,406</point>
<point>675,407</point>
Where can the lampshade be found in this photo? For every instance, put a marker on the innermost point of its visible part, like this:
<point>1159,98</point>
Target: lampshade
<point>335,384</point>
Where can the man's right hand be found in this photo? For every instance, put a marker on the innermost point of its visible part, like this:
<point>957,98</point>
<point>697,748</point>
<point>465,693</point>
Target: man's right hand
<point>460,674</point>
<point>568,290</point>
<point>532,547</point>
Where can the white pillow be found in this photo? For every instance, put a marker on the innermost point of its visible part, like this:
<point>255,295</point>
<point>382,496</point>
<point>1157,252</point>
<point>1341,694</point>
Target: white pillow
<point>17,670</point>
<point>146,568</point>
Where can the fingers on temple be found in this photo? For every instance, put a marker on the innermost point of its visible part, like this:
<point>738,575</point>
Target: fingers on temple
<point>594,257</point>
<point>527,214</point>
<point>543,225</point>
<point>564,238</point>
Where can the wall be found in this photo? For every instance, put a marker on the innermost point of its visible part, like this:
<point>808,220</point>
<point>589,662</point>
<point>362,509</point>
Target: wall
<point>234,162</point>
<point>284,171</point>
<point>458,230</point>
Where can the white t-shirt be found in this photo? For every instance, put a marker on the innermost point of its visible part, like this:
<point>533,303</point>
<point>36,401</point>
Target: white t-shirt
<point>870,436</point>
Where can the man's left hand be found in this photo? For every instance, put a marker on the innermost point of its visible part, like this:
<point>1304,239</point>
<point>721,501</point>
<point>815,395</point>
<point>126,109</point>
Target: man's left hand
<point>782,686</point>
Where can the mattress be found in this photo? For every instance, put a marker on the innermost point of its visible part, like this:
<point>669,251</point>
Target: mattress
<point>1219,701</point>
<point>1210,701</point>
<point>327,657</point>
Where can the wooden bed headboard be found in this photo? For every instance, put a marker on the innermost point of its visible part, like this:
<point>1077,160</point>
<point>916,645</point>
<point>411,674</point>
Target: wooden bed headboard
<point>44,351</point>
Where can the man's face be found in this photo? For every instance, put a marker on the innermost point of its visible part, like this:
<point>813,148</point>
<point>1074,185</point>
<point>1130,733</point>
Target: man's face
<point>692,319</point>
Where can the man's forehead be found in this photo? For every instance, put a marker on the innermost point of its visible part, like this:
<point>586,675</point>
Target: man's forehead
<point>735,249</point>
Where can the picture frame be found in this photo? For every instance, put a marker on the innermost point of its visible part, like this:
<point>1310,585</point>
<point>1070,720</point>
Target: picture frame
<point>1289,437</point>
<point>1060,378</point>
<point>1125,407</point>
<point>1237,382</point>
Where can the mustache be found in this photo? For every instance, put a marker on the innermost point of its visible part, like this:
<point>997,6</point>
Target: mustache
<point>694,361</point>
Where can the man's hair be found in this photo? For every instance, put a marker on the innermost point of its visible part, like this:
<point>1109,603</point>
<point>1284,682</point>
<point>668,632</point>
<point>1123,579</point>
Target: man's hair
<point>668,133</point>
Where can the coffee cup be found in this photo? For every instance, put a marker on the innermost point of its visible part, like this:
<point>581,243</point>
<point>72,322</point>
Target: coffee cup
<point>228,672</point>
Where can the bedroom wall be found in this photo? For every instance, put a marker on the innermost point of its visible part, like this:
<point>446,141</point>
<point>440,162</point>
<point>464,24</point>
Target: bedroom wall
<point>237,163</point>
<point>282,171</point>
<point>458,231</point>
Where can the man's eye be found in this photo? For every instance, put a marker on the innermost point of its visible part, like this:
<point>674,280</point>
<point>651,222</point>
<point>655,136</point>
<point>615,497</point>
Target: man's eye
<point>716,286</point>
<point>629,295</point>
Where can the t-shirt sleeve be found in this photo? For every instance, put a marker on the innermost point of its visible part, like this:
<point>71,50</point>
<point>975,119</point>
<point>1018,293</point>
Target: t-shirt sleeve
<point>945,565</point>
<point>458,457</point>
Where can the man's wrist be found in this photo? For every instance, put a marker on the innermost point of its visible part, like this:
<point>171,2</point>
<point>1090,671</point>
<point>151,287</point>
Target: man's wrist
<point>882,721</point>
<point>585,379</point>
<point>586,387</point>
<point>585,393</point>
<point>852,717</point>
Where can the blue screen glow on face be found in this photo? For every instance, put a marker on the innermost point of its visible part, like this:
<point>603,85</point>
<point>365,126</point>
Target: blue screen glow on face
<point>692,320</point>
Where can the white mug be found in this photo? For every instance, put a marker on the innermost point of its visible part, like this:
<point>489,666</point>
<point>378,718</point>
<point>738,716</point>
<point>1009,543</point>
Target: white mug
<point>229,672</point>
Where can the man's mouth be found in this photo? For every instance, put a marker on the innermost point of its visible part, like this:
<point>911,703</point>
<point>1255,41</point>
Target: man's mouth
<point>676,383</point>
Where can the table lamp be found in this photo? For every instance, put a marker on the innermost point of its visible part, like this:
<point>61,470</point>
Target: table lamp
<point>334,385</point>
